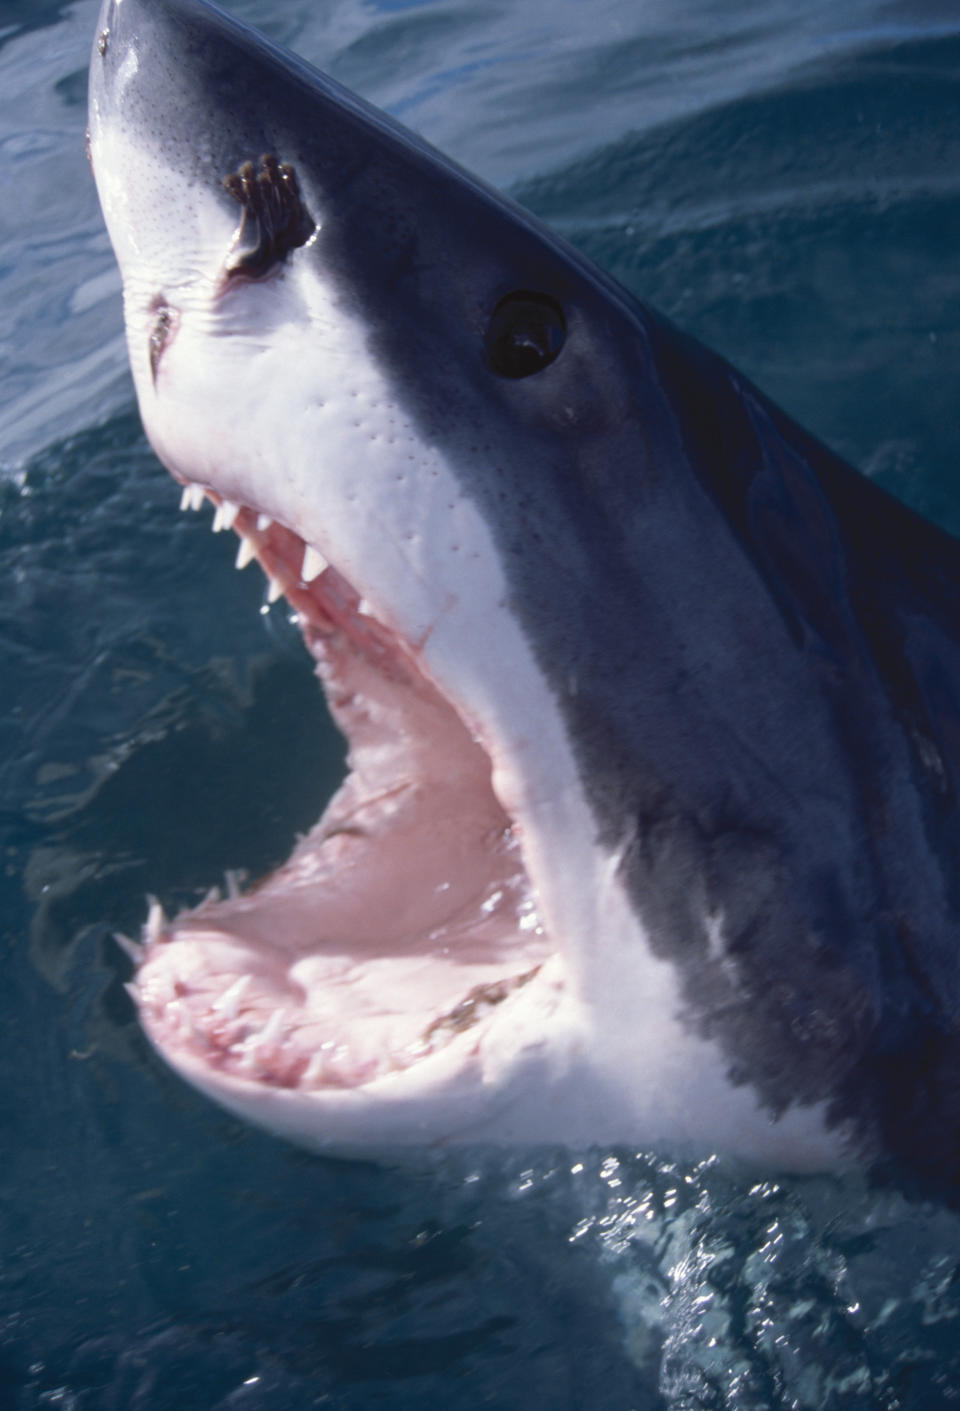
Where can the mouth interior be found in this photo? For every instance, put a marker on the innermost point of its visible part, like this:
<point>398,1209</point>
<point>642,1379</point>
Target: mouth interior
<point>401,921</point>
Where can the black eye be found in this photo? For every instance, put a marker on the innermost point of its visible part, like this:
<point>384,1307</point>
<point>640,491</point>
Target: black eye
<point>525,334</point>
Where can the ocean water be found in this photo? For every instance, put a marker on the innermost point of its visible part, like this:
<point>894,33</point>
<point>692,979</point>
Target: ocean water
<point>782,180</point>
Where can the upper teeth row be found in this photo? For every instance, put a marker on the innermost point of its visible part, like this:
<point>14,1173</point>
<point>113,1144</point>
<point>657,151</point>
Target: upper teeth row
<point>224,517</point>
<point>192,497</point>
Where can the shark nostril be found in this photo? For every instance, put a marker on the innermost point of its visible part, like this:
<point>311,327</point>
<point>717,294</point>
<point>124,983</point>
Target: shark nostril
<point>275,219</point>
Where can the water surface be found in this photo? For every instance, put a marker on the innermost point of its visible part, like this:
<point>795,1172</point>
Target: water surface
<point>783,181</point>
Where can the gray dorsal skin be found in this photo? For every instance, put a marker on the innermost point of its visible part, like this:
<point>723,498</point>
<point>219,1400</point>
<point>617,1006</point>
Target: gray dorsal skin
<point>836,866</point>
<point>753,650</point>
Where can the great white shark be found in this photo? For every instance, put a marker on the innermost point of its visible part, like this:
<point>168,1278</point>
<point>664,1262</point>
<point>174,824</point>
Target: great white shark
<point>650,831</point>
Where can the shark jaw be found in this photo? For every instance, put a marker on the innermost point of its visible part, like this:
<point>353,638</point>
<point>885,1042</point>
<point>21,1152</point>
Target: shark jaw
<point>402,932</point>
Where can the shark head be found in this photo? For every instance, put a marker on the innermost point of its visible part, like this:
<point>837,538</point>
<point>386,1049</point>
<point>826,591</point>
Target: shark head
<point>339,337</point>
<point>582,605</point>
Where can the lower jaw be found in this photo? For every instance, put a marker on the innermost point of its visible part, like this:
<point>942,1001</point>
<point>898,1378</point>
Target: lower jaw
<point>494,1087</point>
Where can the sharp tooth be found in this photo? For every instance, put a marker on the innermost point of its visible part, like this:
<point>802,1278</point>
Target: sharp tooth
<point>224,515</point>
<point>129,948</point>
<point>233,879</point>
<point>185,1022</point>
<point>364,608</point>
<point>263,522</point>
<point>229,1002</point>
<point>191,496</point>
<point>274,1029</point>
<point>313,564</point>
<point>274,591</point>
<point>313,1073</point>
<point>246,552</point>
<point>247,1062</point>
<point>133,991</point>
<point>156,921</point>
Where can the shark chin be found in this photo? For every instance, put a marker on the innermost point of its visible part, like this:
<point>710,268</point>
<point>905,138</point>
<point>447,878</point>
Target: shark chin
<point>650,829</point>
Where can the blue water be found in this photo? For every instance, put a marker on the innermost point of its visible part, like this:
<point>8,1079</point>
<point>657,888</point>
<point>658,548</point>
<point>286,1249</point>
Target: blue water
<point>783,180</point>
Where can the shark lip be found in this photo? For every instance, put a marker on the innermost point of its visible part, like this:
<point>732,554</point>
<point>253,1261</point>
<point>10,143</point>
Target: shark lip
<point>400,923</point>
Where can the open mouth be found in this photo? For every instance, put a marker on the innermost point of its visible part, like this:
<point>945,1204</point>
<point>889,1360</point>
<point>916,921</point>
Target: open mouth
<point>402,922</point>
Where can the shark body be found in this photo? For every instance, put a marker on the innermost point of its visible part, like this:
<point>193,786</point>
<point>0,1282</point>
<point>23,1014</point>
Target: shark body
<point>651,827</point>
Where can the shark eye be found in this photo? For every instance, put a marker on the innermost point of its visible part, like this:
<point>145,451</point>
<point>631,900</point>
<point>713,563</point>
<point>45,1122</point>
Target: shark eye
<point>525,334</point>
